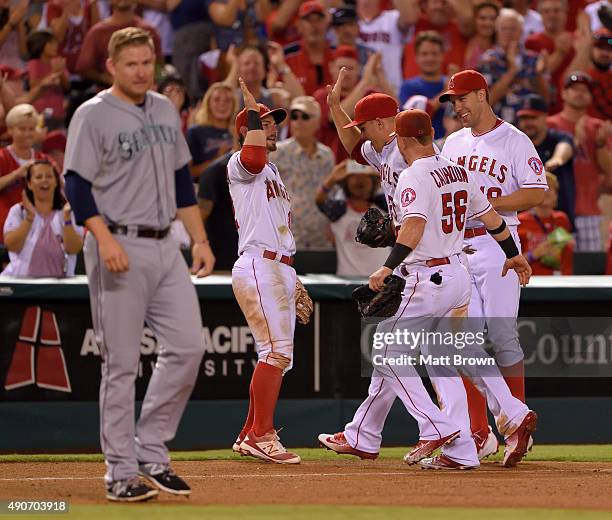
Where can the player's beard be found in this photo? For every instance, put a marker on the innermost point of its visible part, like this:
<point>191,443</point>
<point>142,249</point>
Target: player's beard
<point>271,146</point>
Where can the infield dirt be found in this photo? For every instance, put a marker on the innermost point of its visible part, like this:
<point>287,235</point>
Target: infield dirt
<point>576,485</point>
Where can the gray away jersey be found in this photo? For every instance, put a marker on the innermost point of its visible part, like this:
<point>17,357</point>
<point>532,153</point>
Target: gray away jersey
<point>129,154</point>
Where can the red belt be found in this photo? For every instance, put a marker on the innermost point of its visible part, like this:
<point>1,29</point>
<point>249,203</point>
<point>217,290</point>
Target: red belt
<point>284,259</point>
<point>475,232</point>
<point>433,262</point>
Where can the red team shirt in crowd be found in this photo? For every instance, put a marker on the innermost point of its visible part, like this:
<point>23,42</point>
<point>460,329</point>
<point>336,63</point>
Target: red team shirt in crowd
<point>587,172</point>
<point>53,96</point>
<point>261,208</point>
<point>12,194</point>
<point>601,108</point>
<point>501,160</point>
<point>542,42</point>
<point>534,230</point>
<point>75,33</point>
<point>455,45</point>
<point>95,47</point>
<point>312,77</point>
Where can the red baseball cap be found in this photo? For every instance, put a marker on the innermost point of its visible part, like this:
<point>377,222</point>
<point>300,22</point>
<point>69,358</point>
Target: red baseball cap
<point>373,106</point>
<point>309,7</point>
<point>345,51</point>
<point>279,115</point>
<point>463,83</point>
<point>412,123</point>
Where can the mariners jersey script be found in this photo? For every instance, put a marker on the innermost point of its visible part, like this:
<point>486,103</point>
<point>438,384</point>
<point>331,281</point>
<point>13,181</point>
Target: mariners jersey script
<point>500,161</point>
<point>261,208</point>
<point>440,192</point>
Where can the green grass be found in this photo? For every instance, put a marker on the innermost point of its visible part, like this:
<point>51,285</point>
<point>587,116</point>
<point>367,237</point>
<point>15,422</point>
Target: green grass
<point>155,511</point>
<point>561,453</point>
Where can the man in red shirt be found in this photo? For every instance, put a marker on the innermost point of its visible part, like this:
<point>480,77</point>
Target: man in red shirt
<point>21,123</point>
<point>438,16</point>
<point>557,42</point>
<point>545,254</point>
<point>601,59</point>
<point>592,160</point>
<point>91,64</point>
<point>309,58</point>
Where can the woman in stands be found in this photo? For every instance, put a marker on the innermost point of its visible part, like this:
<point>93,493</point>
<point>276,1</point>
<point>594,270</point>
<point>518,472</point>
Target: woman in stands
<point>39,232</point>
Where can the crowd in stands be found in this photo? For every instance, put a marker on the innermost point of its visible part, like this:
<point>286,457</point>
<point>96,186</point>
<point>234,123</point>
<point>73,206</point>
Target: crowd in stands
<point>547,63</point>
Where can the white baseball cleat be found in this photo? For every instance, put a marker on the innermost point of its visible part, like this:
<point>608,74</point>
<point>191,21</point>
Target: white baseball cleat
<point>486,443</point>
<point>269,448</point>
<point>236,446</point>
<point>425,448</point>
<point>443,462</point>
<point>517,444</point>
<point>337,442</point>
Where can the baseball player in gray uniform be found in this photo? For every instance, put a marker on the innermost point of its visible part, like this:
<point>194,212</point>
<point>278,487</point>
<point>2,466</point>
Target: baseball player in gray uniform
<point>127,179</point>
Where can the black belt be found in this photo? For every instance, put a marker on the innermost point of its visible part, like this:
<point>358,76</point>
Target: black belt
<point>141,232</point>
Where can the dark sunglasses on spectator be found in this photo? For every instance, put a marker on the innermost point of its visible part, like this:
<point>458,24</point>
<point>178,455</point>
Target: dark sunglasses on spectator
<point>295,115</point>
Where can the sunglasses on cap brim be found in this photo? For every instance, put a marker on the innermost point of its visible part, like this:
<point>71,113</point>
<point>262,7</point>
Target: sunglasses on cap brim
<point>298,114</point>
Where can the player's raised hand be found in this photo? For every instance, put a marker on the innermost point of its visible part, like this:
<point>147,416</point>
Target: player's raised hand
<point>203,259</point>
<point>521,267</point>
<point>333,93</point>
<point>249,100</point>
<point>113,255</point>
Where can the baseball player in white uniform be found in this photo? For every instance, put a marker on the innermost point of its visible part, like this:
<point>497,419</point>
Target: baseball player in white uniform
<point>433,200</point>
<point>370,139</point>
<point>263,280</point>
<point>504,162</point>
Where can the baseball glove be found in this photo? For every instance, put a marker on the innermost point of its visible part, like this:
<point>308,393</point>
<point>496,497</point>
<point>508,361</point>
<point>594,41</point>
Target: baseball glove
<point>381,304</point>
<point>375,229</point>
<point>303,303</point>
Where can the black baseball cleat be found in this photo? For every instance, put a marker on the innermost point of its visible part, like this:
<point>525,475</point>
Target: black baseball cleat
<point>163,477</point>
<point>130,490</point>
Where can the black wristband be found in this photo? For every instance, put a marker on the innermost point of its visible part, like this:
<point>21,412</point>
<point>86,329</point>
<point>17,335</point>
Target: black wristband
<point>499,229</point>
<point>397,255</point>
<point>509,247</point>
<point>253,120</point>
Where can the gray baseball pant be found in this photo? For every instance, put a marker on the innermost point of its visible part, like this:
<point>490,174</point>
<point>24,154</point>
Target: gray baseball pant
<point>156,289</point>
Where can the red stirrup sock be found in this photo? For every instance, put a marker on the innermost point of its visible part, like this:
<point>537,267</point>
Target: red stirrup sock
<point>248,424</point>
<point>266,387</point>
<point>477,408</point>
<point>515,379</point>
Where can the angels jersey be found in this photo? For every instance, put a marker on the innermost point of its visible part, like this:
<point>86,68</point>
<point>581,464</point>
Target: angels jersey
<point>389,163</point>
<point>440,192</point>
<point>500,161</point>
<point>261,208</point>
<point>382,35</point>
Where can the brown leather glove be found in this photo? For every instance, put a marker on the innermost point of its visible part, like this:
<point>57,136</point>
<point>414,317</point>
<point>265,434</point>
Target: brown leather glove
<point>303,303</point>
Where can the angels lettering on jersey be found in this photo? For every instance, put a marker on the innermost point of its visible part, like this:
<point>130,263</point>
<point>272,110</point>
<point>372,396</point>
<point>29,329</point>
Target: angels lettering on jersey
<point>501,161</point>
<point>389,163</point>
<point>261,208</point>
